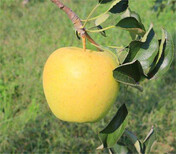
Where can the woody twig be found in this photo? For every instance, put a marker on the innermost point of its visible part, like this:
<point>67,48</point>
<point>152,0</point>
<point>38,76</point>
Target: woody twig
<point>76,22</point>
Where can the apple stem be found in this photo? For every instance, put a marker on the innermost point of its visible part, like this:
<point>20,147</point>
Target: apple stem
<point>84,43</point>
<point>77,23</point>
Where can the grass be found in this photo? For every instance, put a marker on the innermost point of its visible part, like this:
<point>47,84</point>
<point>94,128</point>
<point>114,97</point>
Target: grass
<point>28,35</point>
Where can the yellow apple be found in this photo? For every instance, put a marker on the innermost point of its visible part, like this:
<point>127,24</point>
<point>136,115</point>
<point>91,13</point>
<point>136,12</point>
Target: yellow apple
<point>79,85</point>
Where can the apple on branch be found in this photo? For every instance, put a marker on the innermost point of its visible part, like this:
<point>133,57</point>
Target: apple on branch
<point>79,85</point>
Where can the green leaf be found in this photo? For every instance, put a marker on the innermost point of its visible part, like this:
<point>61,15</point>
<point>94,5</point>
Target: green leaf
<point>101,19</point>
<point>118,149</point>
<point>107,5</point>
<point>145,52</point>
<point>163,39</point>
<point>115,136</point>
<point>104,1</point>
<point>114,130</point>
<point>137,144</point>
<point>130,74</point>
<point>131,24</point>
<point>134,48</point>
<point>149,141</point>
<point>129,13</point>
<point>119,7</point>
<point>164,59</point>
<point>116,6</point>
<point>110,5</point>
<point>148,51</point>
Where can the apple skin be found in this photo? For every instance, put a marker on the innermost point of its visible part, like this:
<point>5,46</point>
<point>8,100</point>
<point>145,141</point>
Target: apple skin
<point>79,85</point>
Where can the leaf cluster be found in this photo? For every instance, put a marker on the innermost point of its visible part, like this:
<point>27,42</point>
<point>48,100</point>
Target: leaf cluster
<point>117,139</point>
<point>146,56</point>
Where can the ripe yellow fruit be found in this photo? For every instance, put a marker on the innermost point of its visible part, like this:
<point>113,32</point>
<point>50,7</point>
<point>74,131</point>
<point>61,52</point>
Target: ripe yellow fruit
<point>79,85</point>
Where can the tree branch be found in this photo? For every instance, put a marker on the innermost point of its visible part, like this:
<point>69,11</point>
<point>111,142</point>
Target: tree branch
<point>76,21</point>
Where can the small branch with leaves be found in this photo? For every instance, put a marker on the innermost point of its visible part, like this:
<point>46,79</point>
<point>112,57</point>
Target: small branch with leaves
<point>77,23</point>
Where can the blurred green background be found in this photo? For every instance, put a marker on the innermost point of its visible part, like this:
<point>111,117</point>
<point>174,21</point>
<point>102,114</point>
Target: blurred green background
<point>28,35</point>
